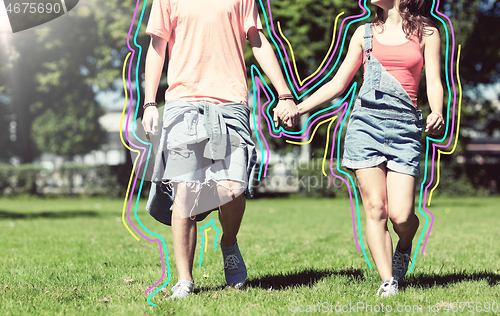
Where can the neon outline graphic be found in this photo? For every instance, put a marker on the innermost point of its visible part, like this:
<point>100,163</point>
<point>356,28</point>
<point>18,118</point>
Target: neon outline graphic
<point>458,126</point>
<point>289,73</point>
<point>313,133</point>
<point>126,146</point>
<point>160,239</point>
<point>327,54</point>
<point>288,134</point>
<point>326,147</point>
<point>259,82</point>
<point>448,75</point>
<point>264,109</point>
<point>212,223</point>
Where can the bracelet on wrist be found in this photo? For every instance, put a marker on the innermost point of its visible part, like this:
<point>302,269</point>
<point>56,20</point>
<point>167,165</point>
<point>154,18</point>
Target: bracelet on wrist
<point>149,104</point>
<point>285,97</point>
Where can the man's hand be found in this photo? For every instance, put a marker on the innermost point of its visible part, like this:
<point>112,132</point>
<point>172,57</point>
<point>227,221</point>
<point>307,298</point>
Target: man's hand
<point>150,120</point>
<point>287,111</point>
<point>435,123</point>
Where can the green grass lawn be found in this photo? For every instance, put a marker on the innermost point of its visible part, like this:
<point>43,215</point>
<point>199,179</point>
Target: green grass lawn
<point>75,256</point>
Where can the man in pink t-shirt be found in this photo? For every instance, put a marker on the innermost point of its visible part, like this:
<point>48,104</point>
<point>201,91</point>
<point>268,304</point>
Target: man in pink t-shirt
<point>205,145</point>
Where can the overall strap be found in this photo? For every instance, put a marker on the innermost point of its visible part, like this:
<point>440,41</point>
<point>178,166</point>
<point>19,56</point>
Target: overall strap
<point>368,37</point>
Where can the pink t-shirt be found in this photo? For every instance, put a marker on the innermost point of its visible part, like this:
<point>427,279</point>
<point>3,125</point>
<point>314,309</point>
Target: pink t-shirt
<point>206,41</point>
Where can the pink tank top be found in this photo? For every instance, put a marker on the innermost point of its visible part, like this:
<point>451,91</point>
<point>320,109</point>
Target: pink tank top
<point>404,62</point>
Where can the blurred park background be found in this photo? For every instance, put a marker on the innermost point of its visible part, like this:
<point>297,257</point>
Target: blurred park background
<point>61,98</point>
<point>63,169</point>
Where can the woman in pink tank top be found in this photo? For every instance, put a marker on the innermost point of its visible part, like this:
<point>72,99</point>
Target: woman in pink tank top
<point>382,143</point>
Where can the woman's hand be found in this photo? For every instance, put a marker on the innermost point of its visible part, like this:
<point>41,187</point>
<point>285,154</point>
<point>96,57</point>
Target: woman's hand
<point>435,123</point>
<point>287,111</point>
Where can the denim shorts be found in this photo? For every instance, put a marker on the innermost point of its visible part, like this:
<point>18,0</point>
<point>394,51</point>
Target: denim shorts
<point>378,135</point>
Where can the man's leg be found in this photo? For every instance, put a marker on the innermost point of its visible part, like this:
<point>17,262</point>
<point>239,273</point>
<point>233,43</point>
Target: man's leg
<point>231,213</point>
<point>184,239</point>
<point>230,216</point>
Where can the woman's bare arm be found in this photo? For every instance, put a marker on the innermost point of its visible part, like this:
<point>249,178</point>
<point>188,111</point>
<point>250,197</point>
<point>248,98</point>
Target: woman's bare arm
<point>342,78</point>
<point>432,58</point>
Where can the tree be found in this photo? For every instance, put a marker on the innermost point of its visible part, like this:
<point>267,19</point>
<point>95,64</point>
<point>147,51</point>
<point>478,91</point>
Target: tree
<point>474,21</point>
<point>62,64</point>
<point>60,67</point>
<point>67,129</point>
<point>308,25</point>
<point>6,115</point>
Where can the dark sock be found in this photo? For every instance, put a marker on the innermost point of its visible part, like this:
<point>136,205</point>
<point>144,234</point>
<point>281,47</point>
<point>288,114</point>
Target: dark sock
<point>407,251</point>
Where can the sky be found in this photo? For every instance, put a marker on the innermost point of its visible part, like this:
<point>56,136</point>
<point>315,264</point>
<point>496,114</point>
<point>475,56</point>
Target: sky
<point>4,24</point>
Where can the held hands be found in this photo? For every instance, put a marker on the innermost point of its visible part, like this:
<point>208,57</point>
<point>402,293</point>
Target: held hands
<point>150,120</point>
<point>287,111</point>
<point>435,123</point>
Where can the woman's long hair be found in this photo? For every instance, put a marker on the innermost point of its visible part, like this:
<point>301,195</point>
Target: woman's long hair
<point>415,18</point>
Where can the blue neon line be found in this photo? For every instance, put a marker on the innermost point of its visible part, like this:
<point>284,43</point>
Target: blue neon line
<point>147,160</point>
<point>429,138</point>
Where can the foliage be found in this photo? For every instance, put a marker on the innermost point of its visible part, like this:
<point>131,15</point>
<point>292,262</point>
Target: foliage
<point>5,174</point>
<point>83,180</point>
<point>5,141</point>
<point>314,184</point>
<point>473,20</point>
<point>308,26</point>
<point>7,57</point>
<point>71,128</point>
<point>455,180</point>
<point>480,118</point>
<point>20,180</point>
<point>100,180</point>
<point>65,63</point>
<point>49,76</point>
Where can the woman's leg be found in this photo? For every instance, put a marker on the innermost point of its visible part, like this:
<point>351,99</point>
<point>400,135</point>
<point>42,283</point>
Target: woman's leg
<point>372,185</point>
<point>401,202</point>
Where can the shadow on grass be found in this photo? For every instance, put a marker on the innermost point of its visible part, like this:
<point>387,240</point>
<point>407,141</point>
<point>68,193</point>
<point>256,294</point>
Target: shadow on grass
<point>431,280</point>
<point>285,281</point>
<point>63,214</point>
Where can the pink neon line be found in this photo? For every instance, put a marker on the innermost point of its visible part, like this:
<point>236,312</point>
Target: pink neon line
<point>260,119</point>
<point>345,106</point>
<point>452,123</point>
<point>308,130</point>
<point>284,133</point>
<point>331,56</point>
<point>138,147</point>
<point>136,175</point>
<point>268,153</point>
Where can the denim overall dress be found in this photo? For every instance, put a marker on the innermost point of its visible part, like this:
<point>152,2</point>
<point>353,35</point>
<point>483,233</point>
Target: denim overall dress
<point>384,126</point>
